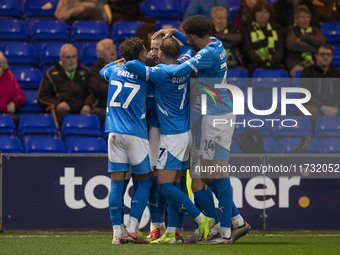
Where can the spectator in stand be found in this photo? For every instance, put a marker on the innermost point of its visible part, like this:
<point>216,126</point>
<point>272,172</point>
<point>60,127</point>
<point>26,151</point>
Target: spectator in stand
<point>229,35</point>
<point>329,11</point>
<point>145,32</point>
<point>65,87</point>
<point>323,86</point>
<point>243,13</point>
<point>11,95</point>
<point>302,40</point>
<point>263,41</point>
<point>284,12</point>
<point>72,10</point>
<point>203,7</point>
<point>106,53</point>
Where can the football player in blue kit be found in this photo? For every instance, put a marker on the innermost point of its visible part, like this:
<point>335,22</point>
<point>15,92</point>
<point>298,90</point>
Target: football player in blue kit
<point>172,104</point>
<point>210,65</point>
<point>128,143</point>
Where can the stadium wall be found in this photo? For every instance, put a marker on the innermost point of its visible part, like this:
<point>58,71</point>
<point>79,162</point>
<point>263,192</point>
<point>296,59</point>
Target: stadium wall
<point>69,191</point>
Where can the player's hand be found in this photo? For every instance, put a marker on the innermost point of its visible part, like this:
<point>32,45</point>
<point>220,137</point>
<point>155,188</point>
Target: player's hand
<point>85,110</point>
<point>11,107</point>
<point>63,106</point>
<point>167,32</point>
<point>120,62</point>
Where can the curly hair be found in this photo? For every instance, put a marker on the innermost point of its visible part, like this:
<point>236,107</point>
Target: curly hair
<point>197,25</point>
<point>131,48</point>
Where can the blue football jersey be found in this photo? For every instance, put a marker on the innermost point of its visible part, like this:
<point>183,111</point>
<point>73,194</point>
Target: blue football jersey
<point>172,95</point>
<point>126,103</point>
<point>211,68</point>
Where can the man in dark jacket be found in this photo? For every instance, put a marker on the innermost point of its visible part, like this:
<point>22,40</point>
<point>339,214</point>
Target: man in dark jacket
<point>106,53</point>
<point>324,85</point>
<point>64,86</point>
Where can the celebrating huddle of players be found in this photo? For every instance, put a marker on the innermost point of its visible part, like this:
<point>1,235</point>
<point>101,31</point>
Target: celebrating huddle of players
<point>148,114</point>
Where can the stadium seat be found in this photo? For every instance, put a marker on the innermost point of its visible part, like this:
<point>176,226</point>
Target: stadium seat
<point>162,9</point>
<point>88,54</point>
<point>295,126</point>
<point>9,8</point>
<point>184,5</point>
<point>49,29</point>
<point>295,81</point>
<point>31,102</point>
<point>13,29</point>
<point>83,144</point>
<point>238,77</point>
<point>167,24</point>
<point>44,144</point>
<point>27,77</point>
<point>10,144</point>
<point>330,145</point>
<point>331,30</point>
<point>89,30</point>
<point>36,123</point>
<point>49,53</point>
<point>124,29</point>
<point>34,8</point>
<point>20,53</point>
<point>246,121</point>
<point>81,124</point>
<point>327,127</point>
<point>336,55</point>
<point>269,145</point>
<point>7,125</point>
<point>268,78</point>
<point>288,144</point>
<point>234,148</point>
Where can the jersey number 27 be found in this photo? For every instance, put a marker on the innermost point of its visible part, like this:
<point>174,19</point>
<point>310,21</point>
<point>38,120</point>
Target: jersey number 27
<point>135,88</point>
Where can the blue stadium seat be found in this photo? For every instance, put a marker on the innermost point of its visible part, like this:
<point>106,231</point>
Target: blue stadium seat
<point>246,121</point>
<point>89,30</point>
<point>88,54</point>
<point>44,144</point>
<point>234,148</point>
<point>13,29</point>
<point>27,77</point>
<point>49,29</point>
<point>10,144</point>
<point>7,125</point>
<point>288,144</point>
<point>268,78</point>
<point>83,144</point>
<point>34,8</point>
<point>238,77</point>
<point>20,53</point>
<point>302,128</point>
<point>184,5</point>
<point>336,55</point>
<point>31,102</point>
<point>331,30</point>
<point>9,8</point>
<point>125,29</point>
<point>327,126</point>
<point>269,145</point>
<point>295,81</point>
<point>36,123</point>
<point>167,23</point>
<point>330,145</point>
<point>162,9</point>
<point>49,52</point>
<point>81,124</point>
<point>233,7</point>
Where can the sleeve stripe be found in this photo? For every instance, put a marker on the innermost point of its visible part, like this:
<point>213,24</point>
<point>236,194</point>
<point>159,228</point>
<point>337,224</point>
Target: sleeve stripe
<point>147,74</point>
<point>192,66</point>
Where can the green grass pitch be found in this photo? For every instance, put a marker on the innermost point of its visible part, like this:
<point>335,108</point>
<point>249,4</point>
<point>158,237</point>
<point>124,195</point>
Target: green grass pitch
<point>97,242</point>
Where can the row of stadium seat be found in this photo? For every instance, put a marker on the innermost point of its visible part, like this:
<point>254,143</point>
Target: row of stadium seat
<point>78,124</point>
<point>86,144</point>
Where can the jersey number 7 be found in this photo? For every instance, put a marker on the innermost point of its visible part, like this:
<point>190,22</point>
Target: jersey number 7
<point>135,88</point>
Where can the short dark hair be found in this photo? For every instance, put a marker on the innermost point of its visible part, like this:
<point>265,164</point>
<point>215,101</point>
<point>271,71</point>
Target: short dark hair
<point>197,25</point>
<point>170,47</point>
<point>262,5</point>
<point>131,48</point>
<point>324,45</point>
